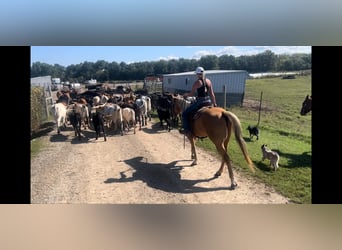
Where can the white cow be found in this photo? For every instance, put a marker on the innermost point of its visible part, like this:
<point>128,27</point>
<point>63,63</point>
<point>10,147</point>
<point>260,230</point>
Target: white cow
<point>128,115</point>
<point>113,116</point>
<point>148,106</point>
<point>60,113</point>
<point>141,111</point>
<point>98,100</point>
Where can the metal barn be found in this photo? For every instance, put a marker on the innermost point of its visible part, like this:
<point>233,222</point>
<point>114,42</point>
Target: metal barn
<point>42,81</point>
<point>228,85</point>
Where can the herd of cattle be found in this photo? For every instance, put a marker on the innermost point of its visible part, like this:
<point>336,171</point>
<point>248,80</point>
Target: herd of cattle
<point>119,110</point>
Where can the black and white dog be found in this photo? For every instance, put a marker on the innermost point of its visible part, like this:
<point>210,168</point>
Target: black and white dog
<point>253,131</point>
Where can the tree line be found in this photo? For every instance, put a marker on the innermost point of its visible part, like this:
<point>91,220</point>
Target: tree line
<point>104,71</point>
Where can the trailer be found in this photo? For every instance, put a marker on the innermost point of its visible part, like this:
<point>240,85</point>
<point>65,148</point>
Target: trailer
<point>228,85</point>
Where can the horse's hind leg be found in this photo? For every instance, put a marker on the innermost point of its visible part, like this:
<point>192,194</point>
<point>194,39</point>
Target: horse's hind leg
<point>225,159</point>
<point>219,172</point>
<point>223,152</point>
<point>230,171</point>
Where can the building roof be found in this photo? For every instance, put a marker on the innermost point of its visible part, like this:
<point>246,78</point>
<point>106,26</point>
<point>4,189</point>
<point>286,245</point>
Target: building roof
<point>207,72</point>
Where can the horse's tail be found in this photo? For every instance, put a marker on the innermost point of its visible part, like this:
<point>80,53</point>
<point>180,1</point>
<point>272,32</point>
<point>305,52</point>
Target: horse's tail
<point>238,136</point>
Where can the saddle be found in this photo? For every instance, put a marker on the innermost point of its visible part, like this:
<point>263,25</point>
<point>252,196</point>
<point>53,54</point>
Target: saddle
<point>197,114</point>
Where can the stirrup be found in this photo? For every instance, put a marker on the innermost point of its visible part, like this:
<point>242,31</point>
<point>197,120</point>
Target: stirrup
<point>182,131</point>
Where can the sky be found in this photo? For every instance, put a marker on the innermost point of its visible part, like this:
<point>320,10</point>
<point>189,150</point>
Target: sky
<point>68,55</point>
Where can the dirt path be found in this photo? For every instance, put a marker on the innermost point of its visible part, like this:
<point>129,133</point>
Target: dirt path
<point>151,167</point>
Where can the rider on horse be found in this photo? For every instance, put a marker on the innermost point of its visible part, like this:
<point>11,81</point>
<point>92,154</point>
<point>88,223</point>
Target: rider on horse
<point>205,97</point>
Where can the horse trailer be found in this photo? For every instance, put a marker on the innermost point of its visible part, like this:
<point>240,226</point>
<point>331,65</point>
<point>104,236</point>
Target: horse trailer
<point>228,85</point>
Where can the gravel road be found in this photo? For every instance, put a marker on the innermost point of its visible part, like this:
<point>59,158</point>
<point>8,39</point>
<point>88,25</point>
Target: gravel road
<point>149,167</point>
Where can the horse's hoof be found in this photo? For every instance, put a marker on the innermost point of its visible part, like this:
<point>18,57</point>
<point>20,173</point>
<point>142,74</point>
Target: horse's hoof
<point>233,186</point>
<point>217,175</point>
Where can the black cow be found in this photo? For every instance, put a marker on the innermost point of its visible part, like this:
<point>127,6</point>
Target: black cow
<point>98,123</point>
<point>76,122</point>
<point>164,111</point>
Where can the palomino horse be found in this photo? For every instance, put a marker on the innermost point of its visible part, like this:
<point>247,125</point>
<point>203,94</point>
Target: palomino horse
<point>217,124</point>
<point>306,106</point>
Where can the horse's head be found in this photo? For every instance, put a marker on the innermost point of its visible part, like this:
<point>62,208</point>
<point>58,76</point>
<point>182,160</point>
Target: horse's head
<point>306,106</point>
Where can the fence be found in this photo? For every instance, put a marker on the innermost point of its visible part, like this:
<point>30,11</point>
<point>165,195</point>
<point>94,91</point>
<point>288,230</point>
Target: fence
<point>41,102</point>
<point>153,87</point>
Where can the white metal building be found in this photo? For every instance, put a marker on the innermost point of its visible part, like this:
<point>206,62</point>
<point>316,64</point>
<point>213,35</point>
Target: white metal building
<point>228,85</point>
<point>42,81</point>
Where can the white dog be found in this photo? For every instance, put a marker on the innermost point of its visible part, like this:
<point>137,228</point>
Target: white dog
<point>270,155</point>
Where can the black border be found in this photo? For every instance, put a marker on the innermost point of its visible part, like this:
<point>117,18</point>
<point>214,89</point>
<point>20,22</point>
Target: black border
<point>326,129</point>
<point>15,168</point>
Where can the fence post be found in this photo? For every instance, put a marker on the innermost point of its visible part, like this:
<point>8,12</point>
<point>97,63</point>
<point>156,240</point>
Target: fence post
<point>47,103</point>
<point>224,97</point>
<point>259,108</point>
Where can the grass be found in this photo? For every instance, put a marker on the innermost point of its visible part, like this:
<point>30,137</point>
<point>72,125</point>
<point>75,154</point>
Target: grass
<point>282,128</point>
<point>36,146</point>
<point>36,142</point>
